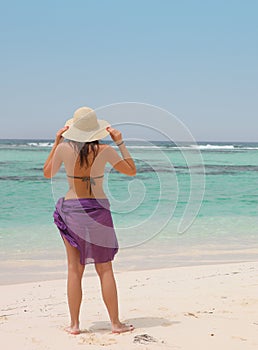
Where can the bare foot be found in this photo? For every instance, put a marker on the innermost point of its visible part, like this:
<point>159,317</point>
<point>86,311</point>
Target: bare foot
<point>72,330</point>
<point>122,328</point>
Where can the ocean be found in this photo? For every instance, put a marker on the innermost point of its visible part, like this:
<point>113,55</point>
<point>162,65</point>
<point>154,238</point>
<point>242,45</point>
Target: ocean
<point>188,204</point>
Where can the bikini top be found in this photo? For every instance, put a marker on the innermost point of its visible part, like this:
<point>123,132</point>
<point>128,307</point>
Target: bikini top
<point>88,179</point>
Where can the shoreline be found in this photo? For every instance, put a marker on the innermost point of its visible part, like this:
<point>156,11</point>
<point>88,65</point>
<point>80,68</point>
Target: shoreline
<point>90,272</point>
<point>34,269</point>
<point>205,306</point>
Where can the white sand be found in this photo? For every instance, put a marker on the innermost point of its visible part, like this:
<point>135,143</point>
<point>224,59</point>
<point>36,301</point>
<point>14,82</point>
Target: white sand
<point>200,307</point>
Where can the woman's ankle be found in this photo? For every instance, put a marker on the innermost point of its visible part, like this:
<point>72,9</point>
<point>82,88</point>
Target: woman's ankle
<point>116,323</point>
<point>75,325</point>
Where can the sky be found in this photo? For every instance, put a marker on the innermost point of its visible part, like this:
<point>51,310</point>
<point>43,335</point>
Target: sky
<point>198,60</point>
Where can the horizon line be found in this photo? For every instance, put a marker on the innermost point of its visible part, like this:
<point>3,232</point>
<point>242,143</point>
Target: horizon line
<point>52,139</point>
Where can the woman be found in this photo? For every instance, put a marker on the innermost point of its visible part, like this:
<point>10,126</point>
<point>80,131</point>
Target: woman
<point>83,216</point>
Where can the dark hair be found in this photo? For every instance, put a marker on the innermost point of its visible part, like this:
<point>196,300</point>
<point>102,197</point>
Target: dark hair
<point>84,149</point>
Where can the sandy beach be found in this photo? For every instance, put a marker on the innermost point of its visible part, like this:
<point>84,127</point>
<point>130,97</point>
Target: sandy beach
<point>197,307</point>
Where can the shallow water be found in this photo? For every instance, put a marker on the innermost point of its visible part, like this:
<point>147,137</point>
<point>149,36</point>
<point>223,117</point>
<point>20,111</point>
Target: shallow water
<point>146,209</point>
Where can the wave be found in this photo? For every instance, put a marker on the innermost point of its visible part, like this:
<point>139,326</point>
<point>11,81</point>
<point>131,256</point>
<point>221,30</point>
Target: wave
<point>144,146</point>
<point>213,147</point>
<point>40,144</point>
<point>207,147</point>
<point>154,147</point>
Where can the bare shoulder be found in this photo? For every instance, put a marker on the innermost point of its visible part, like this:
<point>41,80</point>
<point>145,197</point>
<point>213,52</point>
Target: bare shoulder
<point>104,147</point>
<point>65,145</point>
<point>106,151</point>
<point>63,148</point>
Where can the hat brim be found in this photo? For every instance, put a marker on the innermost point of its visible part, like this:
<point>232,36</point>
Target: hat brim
<point>75,134</point>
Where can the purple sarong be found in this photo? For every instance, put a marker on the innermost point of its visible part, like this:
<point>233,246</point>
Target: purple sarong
<point>87,224</point>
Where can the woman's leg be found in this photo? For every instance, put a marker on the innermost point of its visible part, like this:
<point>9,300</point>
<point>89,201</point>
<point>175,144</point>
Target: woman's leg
<point>109,293</point>
<point>74,288</point>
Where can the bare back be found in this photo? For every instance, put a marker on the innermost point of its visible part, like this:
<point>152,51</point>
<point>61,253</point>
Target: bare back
<point>87,182</point>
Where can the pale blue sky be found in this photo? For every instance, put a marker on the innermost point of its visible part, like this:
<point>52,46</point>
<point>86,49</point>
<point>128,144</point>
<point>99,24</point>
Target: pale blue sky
<point>197,59</point>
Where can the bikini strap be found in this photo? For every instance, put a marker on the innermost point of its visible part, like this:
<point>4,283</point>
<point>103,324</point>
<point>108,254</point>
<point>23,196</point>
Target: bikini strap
<point>88,179</point>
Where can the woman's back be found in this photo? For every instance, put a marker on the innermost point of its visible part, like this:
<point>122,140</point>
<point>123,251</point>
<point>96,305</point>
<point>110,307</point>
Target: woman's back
<point>84,181</point>
<point>85,171</point>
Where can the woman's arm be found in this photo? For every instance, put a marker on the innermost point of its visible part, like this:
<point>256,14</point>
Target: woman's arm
<point>126,164</point>
<point>53,162</point>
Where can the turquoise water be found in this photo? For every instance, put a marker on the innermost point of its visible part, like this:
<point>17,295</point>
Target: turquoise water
<point>146,209</point>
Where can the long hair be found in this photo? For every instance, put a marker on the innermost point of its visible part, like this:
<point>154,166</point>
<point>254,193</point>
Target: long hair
<point>84,148</point>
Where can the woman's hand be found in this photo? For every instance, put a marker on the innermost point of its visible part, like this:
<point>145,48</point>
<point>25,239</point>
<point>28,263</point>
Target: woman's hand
<point>59,136</point>
<point>50,166</point>
<point>115,134</point>
<point>124,165</point>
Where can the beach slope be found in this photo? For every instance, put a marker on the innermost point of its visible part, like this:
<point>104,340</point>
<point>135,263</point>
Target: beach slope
<point>197,307</point>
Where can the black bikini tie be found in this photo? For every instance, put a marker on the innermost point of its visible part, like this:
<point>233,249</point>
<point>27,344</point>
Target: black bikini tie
<point>88,179</point>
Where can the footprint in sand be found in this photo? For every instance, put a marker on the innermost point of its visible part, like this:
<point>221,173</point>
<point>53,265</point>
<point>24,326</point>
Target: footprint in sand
<point>167,324</point>
<point>190,314</point>
<point>3,318</point>
<point>93,339</point>
<point>238,338</point>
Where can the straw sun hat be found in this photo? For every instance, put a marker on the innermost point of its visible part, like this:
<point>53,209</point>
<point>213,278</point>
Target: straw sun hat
<point>85,127</point>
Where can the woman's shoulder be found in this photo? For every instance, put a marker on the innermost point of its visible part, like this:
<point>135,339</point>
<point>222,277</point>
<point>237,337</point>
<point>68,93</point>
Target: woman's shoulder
<point>103,146</point>
<point>107,148</point>
<point>64,147</point>
<point>106,151</point>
